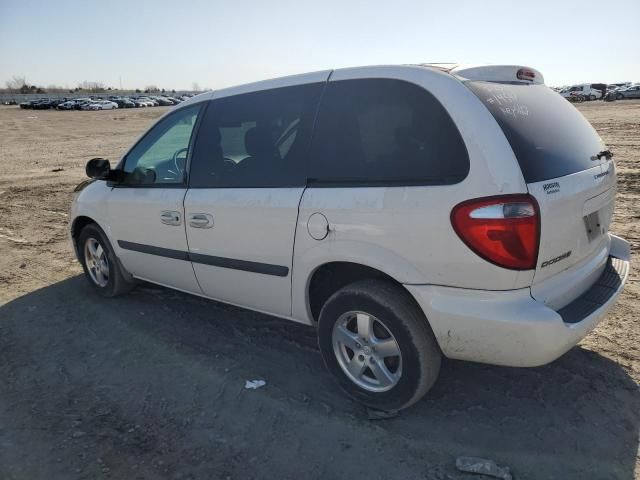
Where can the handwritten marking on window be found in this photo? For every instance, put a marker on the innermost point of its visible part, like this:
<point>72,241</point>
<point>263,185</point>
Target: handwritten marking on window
<point>507,102</point>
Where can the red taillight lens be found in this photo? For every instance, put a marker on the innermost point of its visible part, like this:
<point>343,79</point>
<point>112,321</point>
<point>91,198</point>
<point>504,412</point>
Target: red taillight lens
<point>526,74</point>
<point>504,230</point>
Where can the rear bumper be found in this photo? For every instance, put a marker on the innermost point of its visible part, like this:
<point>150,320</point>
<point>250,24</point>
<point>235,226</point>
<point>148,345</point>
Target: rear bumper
<point>512,328</point>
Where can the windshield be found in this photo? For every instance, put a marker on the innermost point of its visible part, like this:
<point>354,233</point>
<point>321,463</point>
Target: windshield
<point>548,135</point>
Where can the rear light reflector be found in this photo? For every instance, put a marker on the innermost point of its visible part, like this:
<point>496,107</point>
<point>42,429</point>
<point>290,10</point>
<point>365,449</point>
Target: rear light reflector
<point>526,74</point>
<point>504,230</point>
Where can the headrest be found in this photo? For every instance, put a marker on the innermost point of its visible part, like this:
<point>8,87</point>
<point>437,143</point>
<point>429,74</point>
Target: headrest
<point>258,141</point>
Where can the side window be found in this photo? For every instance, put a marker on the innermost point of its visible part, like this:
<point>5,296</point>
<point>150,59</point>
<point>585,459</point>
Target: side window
<point>160,157</point>
<point>384,131</point>
<point>258,139</point>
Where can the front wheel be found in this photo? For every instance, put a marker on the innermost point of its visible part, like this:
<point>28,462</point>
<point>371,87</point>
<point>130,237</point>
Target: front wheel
<point>100,264</point>
<point>377,343</point>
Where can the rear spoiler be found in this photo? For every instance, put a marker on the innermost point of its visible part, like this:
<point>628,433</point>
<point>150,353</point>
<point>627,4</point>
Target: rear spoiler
<point>490,73</point>
<point>499,73</point>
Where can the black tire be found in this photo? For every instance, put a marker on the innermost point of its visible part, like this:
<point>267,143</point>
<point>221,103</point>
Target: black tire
<point>397,310</point>
<point>619,96</point>
<point>119,281</point>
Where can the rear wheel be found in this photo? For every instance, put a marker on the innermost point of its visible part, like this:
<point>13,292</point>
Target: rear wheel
<point>378,344</point>
<point>100,264</point>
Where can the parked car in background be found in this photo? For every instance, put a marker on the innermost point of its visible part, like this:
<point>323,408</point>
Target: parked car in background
<point>586,90</point>
<point>68,105</point>
<point>81,102</point>
<point>102,105</point>
<point>621,85</point>
<point>150,102</point>
<point>629,92</point>
<point>57,101</point>
<point>439,210</point>
<point>123,102</point>
<point>163,101</point>
<point>43,104</point>
<point>137,103</point>
<point>143,102</point>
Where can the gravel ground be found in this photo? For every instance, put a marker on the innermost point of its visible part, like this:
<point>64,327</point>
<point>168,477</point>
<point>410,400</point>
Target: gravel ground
<point>151,385</point>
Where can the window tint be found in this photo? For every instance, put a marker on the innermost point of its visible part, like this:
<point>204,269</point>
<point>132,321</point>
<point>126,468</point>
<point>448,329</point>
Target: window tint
<point>160,157</point>
<point>257,139</point>
<point>548,135</point>
<point>379,131</point>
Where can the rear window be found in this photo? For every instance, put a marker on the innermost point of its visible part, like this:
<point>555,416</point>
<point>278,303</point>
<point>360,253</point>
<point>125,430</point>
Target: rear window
<point>548,135</point>
<point>385,132</point>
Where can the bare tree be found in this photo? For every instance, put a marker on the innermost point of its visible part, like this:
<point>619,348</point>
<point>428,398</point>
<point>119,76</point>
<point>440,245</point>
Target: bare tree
<point>151,89</point>
<point>94,87</point>
<point>195,86</point>
<point>56,89</point>
<point>16,83</point>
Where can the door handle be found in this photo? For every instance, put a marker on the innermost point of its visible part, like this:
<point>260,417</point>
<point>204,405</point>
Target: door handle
<point>200,220</point>
<point>169,217</point>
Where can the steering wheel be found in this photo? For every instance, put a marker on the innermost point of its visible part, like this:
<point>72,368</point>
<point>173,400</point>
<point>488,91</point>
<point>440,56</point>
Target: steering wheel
<point>179,169</point>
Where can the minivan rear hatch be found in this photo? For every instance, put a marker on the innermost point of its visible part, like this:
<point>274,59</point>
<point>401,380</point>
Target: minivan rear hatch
<point>569,172</point>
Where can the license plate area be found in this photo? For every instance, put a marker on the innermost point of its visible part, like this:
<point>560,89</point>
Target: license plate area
<point>593,226</point>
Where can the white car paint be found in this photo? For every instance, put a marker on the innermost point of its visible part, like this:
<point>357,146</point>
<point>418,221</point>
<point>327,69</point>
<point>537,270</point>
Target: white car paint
<point>477,310</point>
<point>102,105</point>
<point>584,89</point>
<point>510,328</point>
<point>272,215</point>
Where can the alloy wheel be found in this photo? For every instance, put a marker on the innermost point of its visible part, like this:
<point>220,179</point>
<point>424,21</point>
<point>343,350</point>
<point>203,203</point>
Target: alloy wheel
<point>367,351</point>
<point>97,263</point>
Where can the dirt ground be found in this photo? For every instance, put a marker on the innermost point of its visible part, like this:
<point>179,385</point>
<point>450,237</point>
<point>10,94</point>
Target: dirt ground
<point>151,385</point>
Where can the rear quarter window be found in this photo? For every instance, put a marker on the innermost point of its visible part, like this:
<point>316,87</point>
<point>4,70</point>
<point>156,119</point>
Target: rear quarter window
<point>385,131</point>
<point>549,136</point>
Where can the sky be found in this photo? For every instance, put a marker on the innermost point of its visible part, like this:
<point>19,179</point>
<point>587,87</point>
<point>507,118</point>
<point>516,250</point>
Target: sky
<point>174,44</point>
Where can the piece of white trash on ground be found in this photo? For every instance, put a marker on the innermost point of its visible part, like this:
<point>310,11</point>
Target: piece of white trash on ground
<point>254,384</point>
<point>483,466</point>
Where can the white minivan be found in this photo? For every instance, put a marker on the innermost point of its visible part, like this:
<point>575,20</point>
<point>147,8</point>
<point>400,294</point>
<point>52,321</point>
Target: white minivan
<point>405,212</point>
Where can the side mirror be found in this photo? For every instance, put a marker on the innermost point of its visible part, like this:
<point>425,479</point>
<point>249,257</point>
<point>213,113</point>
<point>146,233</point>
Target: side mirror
<point>98,168</point>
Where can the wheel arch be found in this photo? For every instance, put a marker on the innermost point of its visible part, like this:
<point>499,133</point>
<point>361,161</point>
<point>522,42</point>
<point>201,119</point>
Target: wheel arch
<point>77,225</point>
<point>329,277</point>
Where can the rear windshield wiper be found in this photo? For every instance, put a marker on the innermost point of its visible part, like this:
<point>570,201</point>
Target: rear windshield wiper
<point>607,154</point>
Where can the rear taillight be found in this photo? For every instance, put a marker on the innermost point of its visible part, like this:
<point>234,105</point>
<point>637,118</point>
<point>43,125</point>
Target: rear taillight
<point>504,230</point>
